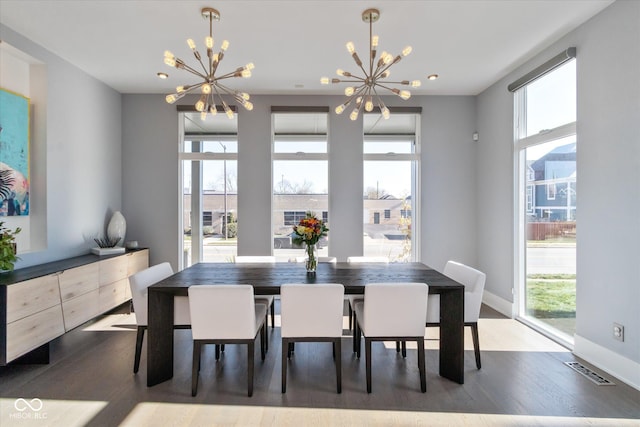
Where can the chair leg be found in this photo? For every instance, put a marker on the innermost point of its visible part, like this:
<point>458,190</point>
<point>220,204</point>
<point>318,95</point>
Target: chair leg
<point>358,340</point>
<point>195,368</point>
<point>273,314</point>
<point>250,367</point>
<point>367,351</point>
<point>404,349</point>
<point>421,365</point>
<point>355,335</point>
<point>397,346</point>
<point>350,315</point>
<point>139,339</point>
<point>337,345</point>
<point>333,350</point>
<point>285,356</point>
<point>217,352</point>
<point>289,349</point>
<point>476,343</point>
<point>263,333</point>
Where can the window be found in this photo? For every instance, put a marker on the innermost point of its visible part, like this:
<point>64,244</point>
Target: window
<point>208,161</point>
<point>300,174</point>
<point>207,218</point>
<point>546,146</point>
<point>391,170</point>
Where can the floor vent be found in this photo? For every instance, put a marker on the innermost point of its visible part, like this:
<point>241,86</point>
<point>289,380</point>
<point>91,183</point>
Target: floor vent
<point>591,375</point>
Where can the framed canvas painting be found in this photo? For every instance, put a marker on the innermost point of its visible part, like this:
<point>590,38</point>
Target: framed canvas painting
<point>14,154</point>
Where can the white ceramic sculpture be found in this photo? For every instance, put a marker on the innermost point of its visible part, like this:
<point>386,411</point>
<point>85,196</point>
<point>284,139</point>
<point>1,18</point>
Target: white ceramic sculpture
<point>117,227</point>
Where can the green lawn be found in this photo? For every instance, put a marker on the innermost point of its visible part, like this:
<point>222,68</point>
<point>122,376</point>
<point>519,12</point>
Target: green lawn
<point>551,296</point>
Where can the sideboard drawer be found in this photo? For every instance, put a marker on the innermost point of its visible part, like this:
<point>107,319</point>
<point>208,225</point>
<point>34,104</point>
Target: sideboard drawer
<point>31,332</point>
<point>80,309</point>
<point>78,281</point>
<point>113,269</point>
<point>32,296</point>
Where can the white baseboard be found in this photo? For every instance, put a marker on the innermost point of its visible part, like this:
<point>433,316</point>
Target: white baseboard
<point>499,304</point>
<point>614,364</point>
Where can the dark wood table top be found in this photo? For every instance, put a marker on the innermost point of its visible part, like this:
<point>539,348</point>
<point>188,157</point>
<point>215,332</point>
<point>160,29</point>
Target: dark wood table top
<point>267,278</point>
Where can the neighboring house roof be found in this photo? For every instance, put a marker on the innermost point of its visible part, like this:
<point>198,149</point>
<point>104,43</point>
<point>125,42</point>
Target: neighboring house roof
<point>565,154</point>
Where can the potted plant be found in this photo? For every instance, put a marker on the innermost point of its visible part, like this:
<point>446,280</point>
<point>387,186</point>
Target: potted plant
<point>7,247</point>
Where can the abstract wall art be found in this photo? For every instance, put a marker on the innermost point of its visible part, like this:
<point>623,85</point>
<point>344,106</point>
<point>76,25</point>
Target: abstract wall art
<point>14,154</point>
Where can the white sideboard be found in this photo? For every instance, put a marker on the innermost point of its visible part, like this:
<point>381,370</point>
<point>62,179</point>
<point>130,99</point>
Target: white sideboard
<point>40,303</point>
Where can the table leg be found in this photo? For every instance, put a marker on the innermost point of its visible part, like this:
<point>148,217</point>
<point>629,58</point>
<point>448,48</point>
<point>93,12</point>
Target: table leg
<point>159,337</point>
<point>452,335</point>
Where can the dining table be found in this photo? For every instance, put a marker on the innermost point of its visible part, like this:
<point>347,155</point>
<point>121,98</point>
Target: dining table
<point>266,279</point>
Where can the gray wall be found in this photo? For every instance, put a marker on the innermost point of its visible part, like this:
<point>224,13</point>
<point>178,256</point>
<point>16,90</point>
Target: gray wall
<point>608,126</point>
<point>150,171</point>
<point>80,151</point>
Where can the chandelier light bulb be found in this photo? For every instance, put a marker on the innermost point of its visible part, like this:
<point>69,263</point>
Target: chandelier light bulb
<point>405,94</point>
<point>213,110</point>
<point>229,113</point>
<point>206,89</point>
<point>225,45</point>
<point>406,51</point>
<point>208,41</point>
<point>192,44</point>
<point>170,61</point>
<point>171,98</point>
<point>245,96</point>
<point>340,72</point>
<point>416,83</point>
<point>374,41</point>
<point>246,73</point>
<point>180,89</point>
<point>349,91</point>
<point>385,113</point>
<point>354,114</point>
<point>387,58</point>
<point>199,105</point>
<point>324,80</point>
<point>368,105</point>
<point>340,109</point>
<point>168,54</point>
<point>385,74</point>
<point>351,48</point>
<point>248,105</point>
<point>250,66</point>
<point>203,116</point>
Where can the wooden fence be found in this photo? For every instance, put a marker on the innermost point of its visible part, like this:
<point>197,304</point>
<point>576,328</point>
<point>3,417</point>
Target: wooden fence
<point>547,230</point>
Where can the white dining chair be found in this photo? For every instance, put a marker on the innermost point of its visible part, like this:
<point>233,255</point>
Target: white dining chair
<point>355,298</point>
<point>269,300</point>
<point>473,281</point>
<point>225,314</point>
<point>139,282</point>
<point>392,312</point>
<point>311,314</point>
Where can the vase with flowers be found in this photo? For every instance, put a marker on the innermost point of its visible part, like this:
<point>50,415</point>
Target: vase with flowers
<point>308,232</point>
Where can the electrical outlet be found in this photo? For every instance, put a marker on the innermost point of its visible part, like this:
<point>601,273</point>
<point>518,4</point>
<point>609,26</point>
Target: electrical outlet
<point>618,332</point>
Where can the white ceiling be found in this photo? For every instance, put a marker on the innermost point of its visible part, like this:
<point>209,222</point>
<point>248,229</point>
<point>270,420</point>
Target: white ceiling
<point>469,43</point>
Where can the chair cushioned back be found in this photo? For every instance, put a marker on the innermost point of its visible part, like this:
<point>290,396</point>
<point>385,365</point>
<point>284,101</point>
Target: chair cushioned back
<point>311,310</point>
<point>473,281</point>
<point>224,312</point>
<point>394,309</point>
<point>140,281</point>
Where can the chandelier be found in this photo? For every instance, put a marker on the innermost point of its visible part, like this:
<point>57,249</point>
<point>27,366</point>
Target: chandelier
<point>365,90</point>
<point>211,85</point>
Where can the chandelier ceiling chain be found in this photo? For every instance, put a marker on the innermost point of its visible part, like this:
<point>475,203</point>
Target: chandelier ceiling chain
<point>365,92</point>
<point>211,85</point>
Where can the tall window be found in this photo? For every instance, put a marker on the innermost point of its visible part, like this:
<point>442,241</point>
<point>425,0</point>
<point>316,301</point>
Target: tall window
<point>300,176</point>
<point>208,159</point>
<point>546,147</point>
<point>391,170</point>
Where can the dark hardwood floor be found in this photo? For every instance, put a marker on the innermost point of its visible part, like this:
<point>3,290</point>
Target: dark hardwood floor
<point>523,381</point>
